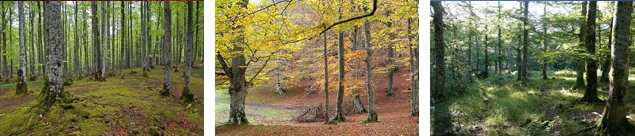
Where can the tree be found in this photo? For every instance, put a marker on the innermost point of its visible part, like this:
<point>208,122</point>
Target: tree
<point>102,54</point>
<point>53,89</point>
<point>21,88</point>
<point>167,41</point>
<point>186,94</point>
<point>614,115</point>
<point>370,88</point>
<point>414,79</point>
<point>98,73</point>
<point>144,39</point>
<point>339,115</point>
<point>523,70</point>
<point>77,68</point>
<point>591,92</point>
<point>544,40</point>
<point>123,40</point>
<point>439,49</point>
<point>579,81</point>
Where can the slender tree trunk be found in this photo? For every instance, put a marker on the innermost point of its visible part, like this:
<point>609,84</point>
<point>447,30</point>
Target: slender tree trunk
<point>32,49</point>
<point>524,78</point>
<point>370,88</point>
<point>590,94</point>
<point>414,88</point>
<point>97,45</point>
<point>77,68</point>
<point>357,100</point>
<point>167,26</point>
<point>326,81</point>
<point>339,115</point>
<point>41,47</point>
<point>607,61</point>
<point>123,41</point>
<point>196,33</point>
<point>392,66</point>
<point>579,82</point>
<point>177,59</point>
<point>614,115</point>
<point>21,88</point>
<point>544,41</point>
<point>144,41</point>
<point>186,94</point>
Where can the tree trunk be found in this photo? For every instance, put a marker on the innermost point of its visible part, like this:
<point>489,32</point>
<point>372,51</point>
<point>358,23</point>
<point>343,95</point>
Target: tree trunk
<point>439,52</point>
<point>96,44</point>
<point>196,33</point>
<point>144,38</point>
<point>41,57</point>
<point>544,41</point>
<point>187,95</point>
<point>21,88</point>
<point>123,41</point>
<point>167,26</point>
<point>614,115</point>
<point>591,93</point>
<point>607,61</point>
<point>372,115</point>
<point>177,59</point>
<point>392,66</point>
<point>53,89</point>
<point>579,82</point>
<point>77,71</point>
<point>357,100</point>
<point>339,115</point>
<point>32,49</point>
<point>499,65</point>
<point>414,88</point>
<point>525,45</point>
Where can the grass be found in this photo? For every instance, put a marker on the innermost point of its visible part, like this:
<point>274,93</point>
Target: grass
<point>117,106</point>
<point>542,107</point>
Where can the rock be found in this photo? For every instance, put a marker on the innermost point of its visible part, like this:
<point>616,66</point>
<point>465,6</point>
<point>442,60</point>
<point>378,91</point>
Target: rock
<point>133,123</point>
<point>367,125</point>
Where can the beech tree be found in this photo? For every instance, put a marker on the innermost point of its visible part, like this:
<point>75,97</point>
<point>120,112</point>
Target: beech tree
<point>21,88</point>
<point>614,115</point>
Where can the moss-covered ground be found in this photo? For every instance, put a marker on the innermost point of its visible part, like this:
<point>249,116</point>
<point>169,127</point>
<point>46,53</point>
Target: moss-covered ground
<point>500,106</point>
<point>117,106</point>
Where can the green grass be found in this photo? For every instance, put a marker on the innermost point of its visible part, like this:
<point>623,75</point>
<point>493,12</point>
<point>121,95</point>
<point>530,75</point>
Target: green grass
<point>514,109</point>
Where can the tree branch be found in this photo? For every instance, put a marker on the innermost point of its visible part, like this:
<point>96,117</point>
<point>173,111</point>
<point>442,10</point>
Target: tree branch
<point>260,70</point>
<point>372,12</point>
<point>223,63</point>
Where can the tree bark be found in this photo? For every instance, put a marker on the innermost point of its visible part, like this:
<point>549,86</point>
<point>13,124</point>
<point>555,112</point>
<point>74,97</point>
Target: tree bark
<point>53,88</point>
<point>167,26</point>
<point>123,41</point>
<point>607,61</point>
<point>439,52</point>
<point>21,88</point>
<point>77,71</point>
<point>372,115</point>
<point>339,115</point>
<point>614,115</point>
<point>186,94</point>
<point>144,36</point>
<point>579,82</point>
<point>523,69</point>
<point>591,93</point>
<point>414,87</point>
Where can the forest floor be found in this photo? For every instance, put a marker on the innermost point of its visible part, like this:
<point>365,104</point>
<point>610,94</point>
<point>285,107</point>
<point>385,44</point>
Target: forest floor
<point>500,106</point>
<point>272,114</point>
<point>115,107</point>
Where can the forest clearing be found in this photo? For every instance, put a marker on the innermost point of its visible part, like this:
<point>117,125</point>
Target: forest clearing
<point>532,68</point>
<point>101,68</point>
<point>313,67</point>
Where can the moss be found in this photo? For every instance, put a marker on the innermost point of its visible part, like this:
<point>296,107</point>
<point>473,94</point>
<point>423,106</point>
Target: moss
<point>371,118</point>
<point>187,96</point>
<point>21,88</point>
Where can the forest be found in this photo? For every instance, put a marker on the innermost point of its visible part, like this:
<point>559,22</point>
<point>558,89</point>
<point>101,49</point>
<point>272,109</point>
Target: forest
<point>286,67</point>
<point>101,68</point>
<point>531,68</point>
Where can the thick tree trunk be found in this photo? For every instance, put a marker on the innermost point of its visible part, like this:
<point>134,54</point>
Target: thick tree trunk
<point>167,26</point>
<point>53,89</point>
<point>21,88</point>
<point>186,94</point>
<point>614,115</point>
<point>439,53</point>
<point>236,74</point>
<point>591,92</point>
<point>103,45</point>
<point>579,82</point>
